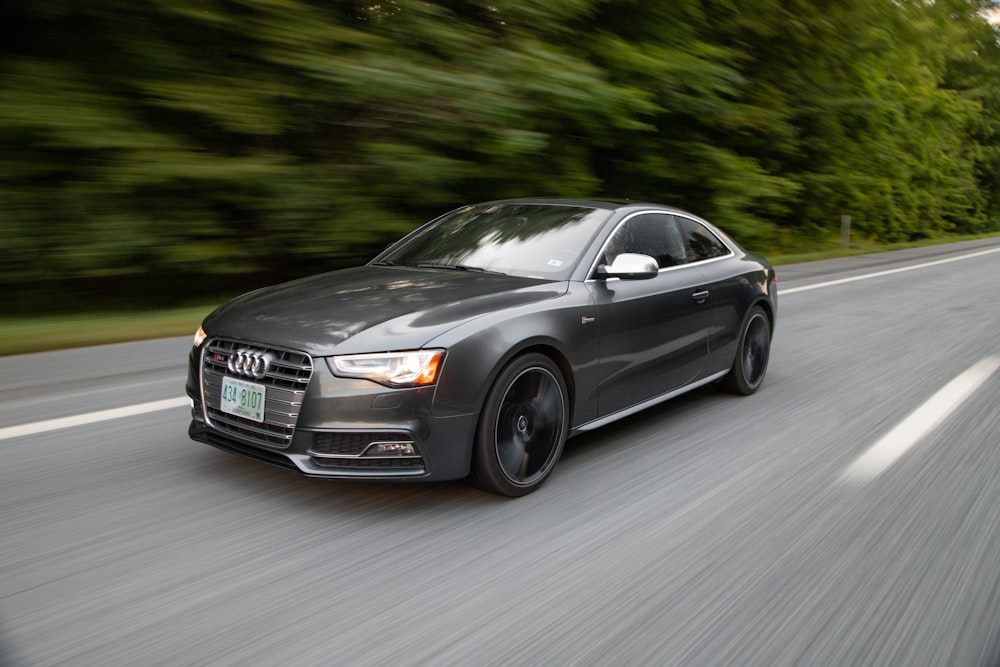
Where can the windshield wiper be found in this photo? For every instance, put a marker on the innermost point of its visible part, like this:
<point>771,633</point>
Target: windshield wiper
<point>384,262</point>
<point>457,267</point>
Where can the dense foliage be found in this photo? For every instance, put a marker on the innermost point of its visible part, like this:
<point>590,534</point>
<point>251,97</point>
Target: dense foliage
<point>149,144</point>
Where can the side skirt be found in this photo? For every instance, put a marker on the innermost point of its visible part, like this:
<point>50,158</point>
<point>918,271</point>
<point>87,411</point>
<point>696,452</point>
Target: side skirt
<point>648,403</point>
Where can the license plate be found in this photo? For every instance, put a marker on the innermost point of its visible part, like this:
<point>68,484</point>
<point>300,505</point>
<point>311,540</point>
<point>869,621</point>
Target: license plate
<point>243,399</point>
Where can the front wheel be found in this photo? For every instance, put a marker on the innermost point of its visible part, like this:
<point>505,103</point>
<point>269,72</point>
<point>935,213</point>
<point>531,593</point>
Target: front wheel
<point>523,427</point>
<point>752,353</point>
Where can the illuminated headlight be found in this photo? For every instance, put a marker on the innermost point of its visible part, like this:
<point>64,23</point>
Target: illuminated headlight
<point>414,368</point>
<point>199,337</point>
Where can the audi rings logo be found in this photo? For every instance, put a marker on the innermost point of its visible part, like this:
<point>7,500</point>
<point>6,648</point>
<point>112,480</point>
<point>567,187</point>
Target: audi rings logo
<point>249,364</point>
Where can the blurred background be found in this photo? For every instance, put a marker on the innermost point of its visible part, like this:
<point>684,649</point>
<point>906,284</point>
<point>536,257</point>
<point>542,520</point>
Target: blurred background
<point>170,152</point>
<point>162,155</point>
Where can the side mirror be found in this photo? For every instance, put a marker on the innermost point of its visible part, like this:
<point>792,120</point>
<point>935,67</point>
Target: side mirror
<point>630,266</point>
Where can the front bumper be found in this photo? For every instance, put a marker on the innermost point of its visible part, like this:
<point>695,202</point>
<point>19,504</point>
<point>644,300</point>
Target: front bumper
<point>338,428</point>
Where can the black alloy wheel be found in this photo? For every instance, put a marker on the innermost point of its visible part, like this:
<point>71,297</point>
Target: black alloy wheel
<point>752,354</point>
<point>522,428</point>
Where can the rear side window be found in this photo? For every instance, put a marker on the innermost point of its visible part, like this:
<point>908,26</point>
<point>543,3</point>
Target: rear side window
<point>699,241</point>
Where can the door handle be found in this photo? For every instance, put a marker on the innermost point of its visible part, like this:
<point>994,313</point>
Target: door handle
<point>700,296</point>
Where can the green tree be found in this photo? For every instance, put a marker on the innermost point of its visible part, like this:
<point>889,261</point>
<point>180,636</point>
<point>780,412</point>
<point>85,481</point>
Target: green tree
<point>228,143</point>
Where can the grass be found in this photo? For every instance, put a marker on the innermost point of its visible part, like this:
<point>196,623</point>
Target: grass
<point>52,332</point>
<point>866,248</point>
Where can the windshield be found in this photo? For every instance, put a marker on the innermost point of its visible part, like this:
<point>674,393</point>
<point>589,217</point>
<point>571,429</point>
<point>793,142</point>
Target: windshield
<point>518,239</point>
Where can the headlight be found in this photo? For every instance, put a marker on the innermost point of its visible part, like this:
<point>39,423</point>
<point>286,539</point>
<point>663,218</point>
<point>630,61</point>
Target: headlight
<point>413,368</point>
<point>199,337</point>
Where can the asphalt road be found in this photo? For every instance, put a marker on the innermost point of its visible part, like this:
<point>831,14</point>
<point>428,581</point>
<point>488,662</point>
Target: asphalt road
<point>711,530</point>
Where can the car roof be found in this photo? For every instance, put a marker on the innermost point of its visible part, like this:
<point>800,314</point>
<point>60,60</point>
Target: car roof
<point>610,204</point>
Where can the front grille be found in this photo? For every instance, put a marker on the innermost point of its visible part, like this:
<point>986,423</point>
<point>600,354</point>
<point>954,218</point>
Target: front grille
<point>352,443</point>
<point>286,380</point>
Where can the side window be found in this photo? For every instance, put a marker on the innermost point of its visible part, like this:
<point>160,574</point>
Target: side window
<point>699,242</point>
<point>653,234</point>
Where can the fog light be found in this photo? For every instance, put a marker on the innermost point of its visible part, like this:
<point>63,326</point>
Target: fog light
<point>391,449</point>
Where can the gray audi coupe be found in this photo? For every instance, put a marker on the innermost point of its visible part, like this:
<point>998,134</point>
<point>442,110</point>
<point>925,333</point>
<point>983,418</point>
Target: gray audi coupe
<point>474,346</point>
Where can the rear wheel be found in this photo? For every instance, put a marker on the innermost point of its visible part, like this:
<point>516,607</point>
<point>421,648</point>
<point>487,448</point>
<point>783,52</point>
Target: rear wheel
<point>523,427</point>
<point>752,354</point>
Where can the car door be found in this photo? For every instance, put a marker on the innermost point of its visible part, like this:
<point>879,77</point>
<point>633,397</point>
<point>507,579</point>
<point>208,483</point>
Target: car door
<point>653,332</point>
<point>727,286</point>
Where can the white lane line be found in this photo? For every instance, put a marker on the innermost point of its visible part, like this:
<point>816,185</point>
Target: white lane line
<point>877,274</point>
<point>920,422</point>
<point>91,418</point>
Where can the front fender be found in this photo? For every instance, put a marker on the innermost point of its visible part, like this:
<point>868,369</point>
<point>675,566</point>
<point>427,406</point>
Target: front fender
<point>477,352</point>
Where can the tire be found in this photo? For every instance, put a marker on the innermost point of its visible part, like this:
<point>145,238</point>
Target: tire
<point>752,354</point>
<point>522,428</point>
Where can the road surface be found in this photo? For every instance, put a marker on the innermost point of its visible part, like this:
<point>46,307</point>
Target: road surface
<point>846,514</point>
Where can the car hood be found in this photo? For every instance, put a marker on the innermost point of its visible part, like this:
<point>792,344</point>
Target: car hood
<point>371,308</point>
